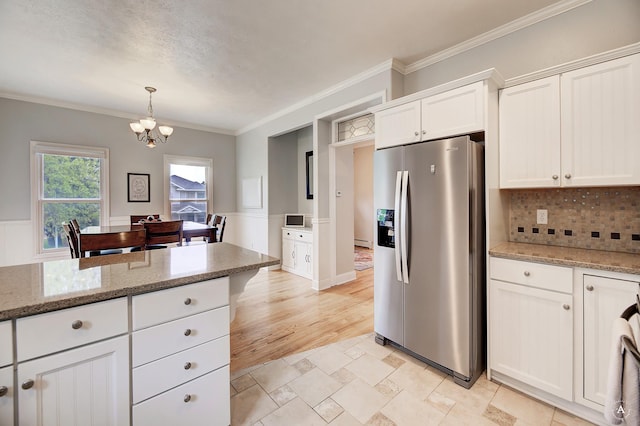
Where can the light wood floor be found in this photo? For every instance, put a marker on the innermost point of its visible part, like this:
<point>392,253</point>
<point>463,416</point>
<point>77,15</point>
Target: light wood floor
<point>279,314</point>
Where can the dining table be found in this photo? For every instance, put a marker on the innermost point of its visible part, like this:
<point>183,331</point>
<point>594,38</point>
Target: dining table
<point>189,230</point>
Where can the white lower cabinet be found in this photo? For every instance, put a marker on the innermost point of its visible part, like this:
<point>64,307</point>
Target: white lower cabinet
<point>532,336</point>
<point>203,401</point>
<point>84,386</point>
<point>604,300</point>
<point>6,395</point>
<point>180,356</point>
<point>297,251</point>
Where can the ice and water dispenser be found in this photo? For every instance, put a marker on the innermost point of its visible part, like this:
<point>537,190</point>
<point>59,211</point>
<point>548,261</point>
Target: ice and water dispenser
<point>386,237</point>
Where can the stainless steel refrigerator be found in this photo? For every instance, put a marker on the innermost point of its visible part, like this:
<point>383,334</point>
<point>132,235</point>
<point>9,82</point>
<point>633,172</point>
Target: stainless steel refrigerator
<point>429,253</point>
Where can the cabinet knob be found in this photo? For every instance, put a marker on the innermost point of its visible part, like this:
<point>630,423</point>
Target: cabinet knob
<point>416,133</point>
<point>554,177</point>
<point>187,365</point>
<point>589,287</point>
<point>527,273</point>
<point>3,391</point>
<point>566,307</point>
<point>187,301</point>
<point>28,384</point>
<point>424,132</point>
<point>187,332</point>
<point>187,398</point>
<point>76,325</point>
<point>567,176</point>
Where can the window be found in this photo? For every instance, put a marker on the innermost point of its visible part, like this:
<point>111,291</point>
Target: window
<point>70,182</point>
<point>189,187</point>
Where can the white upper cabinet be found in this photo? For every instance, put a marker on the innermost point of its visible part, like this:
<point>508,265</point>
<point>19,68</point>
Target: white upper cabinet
<point>575,129</point>
<point>601,124</point>
<point>398,126</point>
<point>454,112</point>
<point>530,134</point>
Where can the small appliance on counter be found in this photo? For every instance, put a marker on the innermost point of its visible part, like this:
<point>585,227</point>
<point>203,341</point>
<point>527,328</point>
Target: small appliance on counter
<point>294,220</point>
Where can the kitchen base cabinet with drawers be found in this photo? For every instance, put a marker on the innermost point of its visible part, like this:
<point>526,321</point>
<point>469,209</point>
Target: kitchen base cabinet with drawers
<point>549,330</point>
<point>297,251</point>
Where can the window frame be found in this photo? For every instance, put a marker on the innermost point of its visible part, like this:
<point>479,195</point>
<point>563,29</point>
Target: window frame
<point>37,149</point>
<point>187,161</point>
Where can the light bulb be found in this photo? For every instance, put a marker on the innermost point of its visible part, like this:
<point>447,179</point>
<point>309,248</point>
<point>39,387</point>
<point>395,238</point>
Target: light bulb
<point>137,127</point>
<point>165,130</point>
<point>148,123</point>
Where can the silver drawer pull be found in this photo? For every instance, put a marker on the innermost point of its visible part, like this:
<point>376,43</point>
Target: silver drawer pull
<point>76,325</point>
<point>28,384</point>
<point>187,301</point>
<point>3,391</point>
<point>566,307</point>
<point>187,365</point>
<point>554,177</point>
<point>187,398</point>
<point>567,176</point>
<point>416,133</point>
<point>527,273</point>
<point>187,332</point>
<point>589,287</point>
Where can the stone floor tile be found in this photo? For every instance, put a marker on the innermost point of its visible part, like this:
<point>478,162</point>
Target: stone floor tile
<point>408,358</point>
<point>474,400</point>
<point>243,382</point>
<point>274,374</point>
<point>360,400</point>
<point>380,419</point>
<point>406,409</point>
<point>416,379</point>
<point>328,409</point>
<point>522,407</point>
<point>345,419</point>
<point>441,402</point>
<point>315,386</point>
<point>239,373</point>
<point>344,376</point>
<point>498,416</point>
<point>370,369</point>
<point>292,359</point>
<point>393,360</point>
<point>282,395</point>
<point>296,412</point>
<point>251,405</point>
<point>459,415</point>
<point>329,360</point>
<point>375,350</point>
<point>304,366</point>
<point>562,418</point>
<point>387,387</point>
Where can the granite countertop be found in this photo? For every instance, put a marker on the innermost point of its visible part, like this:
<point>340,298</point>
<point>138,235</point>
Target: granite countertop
<point>48,286</point>
<point>567,256</point>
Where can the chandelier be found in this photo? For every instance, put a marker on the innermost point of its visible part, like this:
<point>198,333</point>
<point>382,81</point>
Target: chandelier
<point>144,128</point>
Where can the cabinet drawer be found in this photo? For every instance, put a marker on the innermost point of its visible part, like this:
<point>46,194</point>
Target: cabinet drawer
<point>158,376</point>
<point>306,237</point>
<point>165,339</point>
<point>6,400</point>
<point>55,331</point>
<point>203,401</point>
<point>548,277</point>
<point>6,343</point>
<point>292,234</point>
<point>166,305</point>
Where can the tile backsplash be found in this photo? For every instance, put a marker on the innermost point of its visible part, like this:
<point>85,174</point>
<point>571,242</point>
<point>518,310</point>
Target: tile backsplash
<point>591,218</point>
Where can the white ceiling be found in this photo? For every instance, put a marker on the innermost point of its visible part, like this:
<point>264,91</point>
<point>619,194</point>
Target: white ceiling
<point>222,64</point>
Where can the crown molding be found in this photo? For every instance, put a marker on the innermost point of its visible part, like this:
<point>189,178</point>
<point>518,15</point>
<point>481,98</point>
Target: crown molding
<point>389,64</point>
<point>109,112</point>
<point>511,27</point>
<point>630,49</point>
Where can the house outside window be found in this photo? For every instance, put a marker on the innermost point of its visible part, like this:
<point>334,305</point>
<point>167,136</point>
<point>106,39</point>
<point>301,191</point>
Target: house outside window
<point>69,182</point>
<point>189,187</point>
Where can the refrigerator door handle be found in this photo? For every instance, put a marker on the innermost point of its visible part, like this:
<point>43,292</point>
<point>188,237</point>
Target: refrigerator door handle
<point>396,226</point>
<point>403,227</point>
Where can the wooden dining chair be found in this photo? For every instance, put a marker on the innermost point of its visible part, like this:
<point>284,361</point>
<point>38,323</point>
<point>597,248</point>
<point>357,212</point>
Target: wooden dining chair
<point>75,227</point>
<point>97,243</point>
<point>71,240</point>
<point>219,221</point>
<point>159,233</point>
<point>136,218</point>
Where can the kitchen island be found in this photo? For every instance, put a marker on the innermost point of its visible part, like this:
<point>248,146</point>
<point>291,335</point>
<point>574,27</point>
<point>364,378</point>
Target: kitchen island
<point>135,338</point>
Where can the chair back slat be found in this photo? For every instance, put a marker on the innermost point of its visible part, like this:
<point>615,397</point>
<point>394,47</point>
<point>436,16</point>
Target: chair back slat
<point>72,240</point>
<point>219,221</point>
<point>115,240</point>
<point>164,232</point>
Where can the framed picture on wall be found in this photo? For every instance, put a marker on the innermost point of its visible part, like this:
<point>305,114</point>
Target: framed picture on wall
<point>138,188</point>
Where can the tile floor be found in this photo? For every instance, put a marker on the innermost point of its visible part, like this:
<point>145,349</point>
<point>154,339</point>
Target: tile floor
<point>358,382</point>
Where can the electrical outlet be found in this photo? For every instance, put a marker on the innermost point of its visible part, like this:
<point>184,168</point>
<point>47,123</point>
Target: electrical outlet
<point>541,215</point>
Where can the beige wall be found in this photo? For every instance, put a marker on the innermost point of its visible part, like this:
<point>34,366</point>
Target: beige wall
<point>363,195</point>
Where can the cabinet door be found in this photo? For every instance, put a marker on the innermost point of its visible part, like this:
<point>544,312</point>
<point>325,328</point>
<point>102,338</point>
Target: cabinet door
<point>6,343</point>
<point>6,396</point>
<point>600,124</point>
<point>308,264</point>
<point>398,126</point>
<point>531,336</point>
<point>530,134</point>
<point>455,112</point>
<point>303,259</point>
<point>604,300</point>
<point>288,254</point>
<point>84,386</point>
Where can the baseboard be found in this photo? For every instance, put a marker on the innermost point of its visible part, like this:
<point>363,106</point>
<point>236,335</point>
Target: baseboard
<point>344,278</point>
<point>363,243</point>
